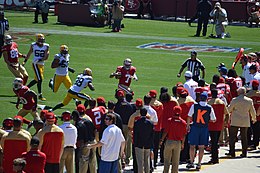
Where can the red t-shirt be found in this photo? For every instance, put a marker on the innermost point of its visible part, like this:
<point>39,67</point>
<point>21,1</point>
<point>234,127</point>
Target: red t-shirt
<point>167,112</point>
<point>50,148</point>
<point>176,128</point>
<point>25,98</point>
<point>159,111</point>
<point>185,110</point>
<point>35,161</point>
<point>126,75</point>
<point>96,114</point>
<point>219,113</point>
<point>12,52</point>
<point>12,149</point>
<point>234,84</point>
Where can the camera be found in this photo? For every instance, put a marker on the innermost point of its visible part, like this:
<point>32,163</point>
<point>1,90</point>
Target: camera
<point>217,8</point>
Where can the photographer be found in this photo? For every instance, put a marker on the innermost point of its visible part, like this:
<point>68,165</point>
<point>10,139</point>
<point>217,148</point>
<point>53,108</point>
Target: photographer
<point>117,15</point>
<point>220,18</point>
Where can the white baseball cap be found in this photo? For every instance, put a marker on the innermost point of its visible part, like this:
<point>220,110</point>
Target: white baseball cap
<point>188,74</point>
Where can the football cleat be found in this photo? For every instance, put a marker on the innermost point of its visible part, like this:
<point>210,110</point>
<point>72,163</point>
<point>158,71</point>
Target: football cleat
<point>64,50</point>
<point>87,71</point>
<point>8,40</point>
<point>51,83</point>
<point>18,83</point>
<point>41,98</point>
<point>127,63</point>
<point>40,38</point>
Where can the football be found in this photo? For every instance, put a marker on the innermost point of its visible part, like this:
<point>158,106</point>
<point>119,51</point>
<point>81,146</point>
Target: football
<point>118,75</point>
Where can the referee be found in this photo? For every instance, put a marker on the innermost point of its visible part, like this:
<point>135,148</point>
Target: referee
<point>4,26</point>
<point>194,65</point>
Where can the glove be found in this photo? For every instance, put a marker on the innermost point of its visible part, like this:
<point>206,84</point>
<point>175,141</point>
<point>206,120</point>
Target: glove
<point>71,70</point>
<point>178,75</point>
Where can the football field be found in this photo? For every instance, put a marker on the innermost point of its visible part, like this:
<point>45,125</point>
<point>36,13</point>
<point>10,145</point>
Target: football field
<point>103,51</point>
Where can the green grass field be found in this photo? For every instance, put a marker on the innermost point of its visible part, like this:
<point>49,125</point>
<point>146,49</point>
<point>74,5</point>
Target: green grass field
<point>103,51</point>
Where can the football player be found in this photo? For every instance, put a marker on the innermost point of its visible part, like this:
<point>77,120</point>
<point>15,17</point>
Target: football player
<point>61,63</point>
<point>27,97</point>
<point>83,80</point>
<point>40,50</point>
<point>125,74</point>
<point>11,55</point>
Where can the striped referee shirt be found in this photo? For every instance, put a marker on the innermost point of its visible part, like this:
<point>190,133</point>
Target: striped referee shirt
<point>193,66</point>
<point>4,26</point>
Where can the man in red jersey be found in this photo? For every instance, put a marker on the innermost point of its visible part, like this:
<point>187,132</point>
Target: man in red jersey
<point>17,138</point>
<point>11,55</point>
<point>96,113</point>
<point>125,74</point>
<point>27,97</point>
<point>222,116</point>
<point>234,81</point>
<point>51,143</point>
<point>35,159</point>
<point>175,132</point>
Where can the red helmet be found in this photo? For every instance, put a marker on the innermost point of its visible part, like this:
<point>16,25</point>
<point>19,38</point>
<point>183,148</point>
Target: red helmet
<point>8,123</point>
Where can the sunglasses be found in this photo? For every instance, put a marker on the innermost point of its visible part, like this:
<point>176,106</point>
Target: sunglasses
<point>107,119</point>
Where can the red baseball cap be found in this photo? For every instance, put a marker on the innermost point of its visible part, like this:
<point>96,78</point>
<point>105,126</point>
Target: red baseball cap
<point>153,93</point>
<point>81,108</point>
<point>120,93</point>
<point>49,116</point>
<point>139,102</point>
<point>177,110</point>
<point>43,112</point>
<point>66,116</point>
<point>18,117</point>
<point>255,83</point>
<point>101,100</point>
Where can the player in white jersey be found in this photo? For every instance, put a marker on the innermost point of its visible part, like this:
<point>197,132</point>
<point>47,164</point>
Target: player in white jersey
<point>40,51</point>
<point>83,80</point>
<point>61,63</point>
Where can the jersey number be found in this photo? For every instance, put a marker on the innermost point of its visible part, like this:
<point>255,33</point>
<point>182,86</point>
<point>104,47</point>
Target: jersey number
<point>23,101</point>
<point>79,81</point>
<point>13,53</point>
<point>39,53</point>
<point>128,76</point>
<point>97,116</point>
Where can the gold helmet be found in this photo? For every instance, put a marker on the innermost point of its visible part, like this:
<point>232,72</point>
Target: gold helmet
<point>87,71</point>
<point>8,39</point>
<point>40,38</point>
<point>64,49</point>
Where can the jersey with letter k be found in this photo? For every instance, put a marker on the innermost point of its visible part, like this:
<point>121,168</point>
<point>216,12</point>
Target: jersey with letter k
<point>201,115</point>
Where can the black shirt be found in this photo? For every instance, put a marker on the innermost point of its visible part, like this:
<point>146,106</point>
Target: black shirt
<point>125,110</point>
<point>86,130</point>
<point>143,133</point>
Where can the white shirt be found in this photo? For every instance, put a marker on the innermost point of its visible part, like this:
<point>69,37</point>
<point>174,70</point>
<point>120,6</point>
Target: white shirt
<point>152,113</point>
<point>191,85</point>
<point>246,73</point>
<point>39,52</point>
<point>256,77</point>
<point>62,69</point>
<point>112,139</point>
<point>70,134</point>
<point>202,103</point>
<point>81,83</point>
